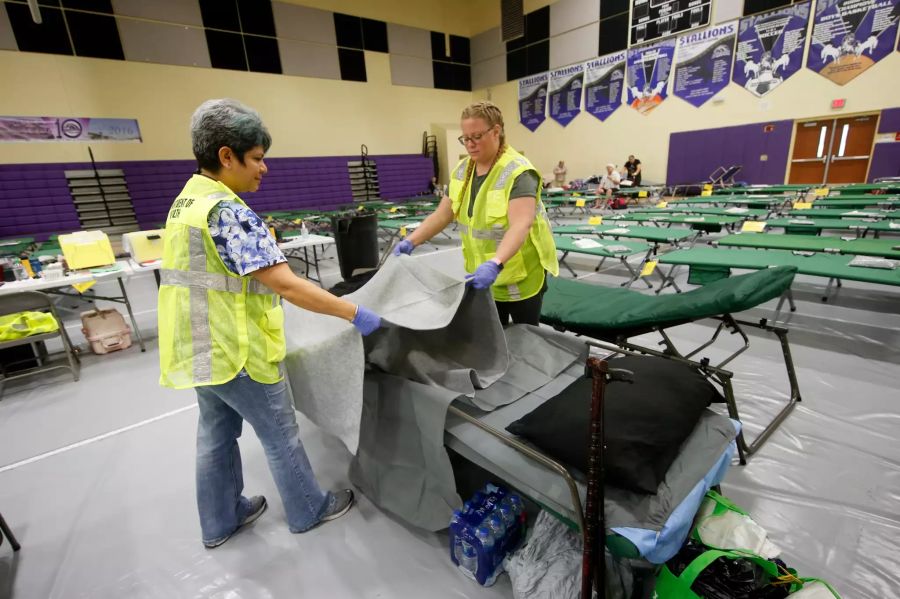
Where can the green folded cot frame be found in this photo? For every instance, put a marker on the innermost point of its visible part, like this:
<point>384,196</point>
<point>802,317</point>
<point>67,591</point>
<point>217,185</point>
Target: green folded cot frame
<point>709,264</point>
<point>612,316</point>
<point>567,245</point>
<point>556,204</point>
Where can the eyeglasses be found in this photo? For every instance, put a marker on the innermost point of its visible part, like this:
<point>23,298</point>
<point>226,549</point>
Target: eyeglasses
<point>475,137</point>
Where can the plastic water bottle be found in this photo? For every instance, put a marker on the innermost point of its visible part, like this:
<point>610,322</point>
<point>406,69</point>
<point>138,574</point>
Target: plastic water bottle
<point>456,520</point>
<point>497,527</point>
<point>468,558</point>
<point>515,502</point>
<point>506,514</point>
<point>304,232</point>
<point>19,271</point>
<point>486,538</point>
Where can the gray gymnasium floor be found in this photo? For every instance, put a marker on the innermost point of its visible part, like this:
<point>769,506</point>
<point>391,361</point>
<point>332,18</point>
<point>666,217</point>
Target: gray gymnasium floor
<point>96,478</point>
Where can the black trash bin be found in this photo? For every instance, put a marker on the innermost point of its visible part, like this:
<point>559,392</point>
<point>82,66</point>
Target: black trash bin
<point>356,239</point>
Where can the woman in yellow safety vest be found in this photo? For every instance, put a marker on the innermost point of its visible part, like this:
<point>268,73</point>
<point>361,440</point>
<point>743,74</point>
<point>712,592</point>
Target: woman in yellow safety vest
<point>495,195</point>
<point>221,328</point>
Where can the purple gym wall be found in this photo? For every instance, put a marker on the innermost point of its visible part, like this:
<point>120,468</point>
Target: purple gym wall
<point>886,155</point>
<point>35,199</point>
<point>693,155</point>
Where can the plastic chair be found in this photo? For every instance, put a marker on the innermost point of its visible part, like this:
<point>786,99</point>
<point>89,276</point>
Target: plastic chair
<point>37,301</point>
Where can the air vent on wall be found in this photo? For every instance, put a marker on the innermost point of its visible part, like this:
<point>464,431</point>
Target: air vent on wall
<point>512,19</point>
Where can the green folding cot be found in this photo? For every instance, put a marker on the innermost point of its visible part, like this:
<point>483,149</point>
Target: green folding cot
<point>708,223</point>
<point>857,201</point>
<point>708,264</point>
<point>761,189</point>
<point>758,202</point>
<point>655,235</point>
<point>613,316</point>
<point>854,188</point>
<point>748,213</point>
<point>882,248</point>
<point>603,249</point>
<point>843,213</point>
<point>815,226</point>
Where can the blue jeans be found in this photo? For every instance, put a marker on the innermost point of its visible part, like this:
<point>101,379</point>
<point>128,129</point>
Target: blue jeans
<point>223,409</point>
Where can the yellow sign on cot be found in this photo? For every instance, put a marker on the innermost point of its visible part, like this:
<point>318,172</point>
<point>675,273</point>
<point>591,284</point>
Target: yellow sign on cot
<point>822,192</point>
<point>360,207</point>
<point>662,205</point>
<point>648,269</point>
<point>402,231</point>
<point>595,220</point>
<point>706,193</point>
<point>802,205</point>
<point>575,194</point>
<point>394,209</point>
<point>642,194</point>
<point>579,203</point>
<point>753,226</point>
<point>707,187</point>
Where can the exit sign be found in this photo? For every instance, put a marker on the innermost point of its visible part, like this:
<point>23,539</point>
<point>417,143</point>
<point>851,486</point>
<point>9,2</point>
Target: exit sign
<point>839,103</point>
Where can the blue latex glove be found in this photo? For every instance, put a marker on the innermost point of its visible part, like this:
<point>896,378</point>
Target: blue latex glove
<point>404,247</point>
<point>484,276</point>
<point>366,321</point>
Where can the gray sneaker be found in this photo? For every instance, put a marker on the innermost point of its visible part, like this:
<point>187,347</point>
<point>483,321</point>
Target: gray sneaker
<point>258,505</point>
<point>341,502</point>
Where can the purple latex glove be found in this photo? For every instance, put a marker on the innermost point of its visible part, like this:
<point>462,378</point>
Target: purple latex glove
<point>404,247</point>
<point>484,276</point>
<point>366,321</point>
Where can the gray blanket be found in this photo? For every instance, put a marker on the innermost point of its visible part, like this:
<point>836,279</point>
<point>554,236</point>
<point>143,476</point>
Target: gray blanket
<point>441,342</point>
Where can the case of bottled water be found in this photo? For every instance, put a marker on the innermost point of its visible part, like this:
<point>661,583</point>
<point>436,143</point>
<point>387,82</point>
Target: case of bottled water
<point>488,527</point>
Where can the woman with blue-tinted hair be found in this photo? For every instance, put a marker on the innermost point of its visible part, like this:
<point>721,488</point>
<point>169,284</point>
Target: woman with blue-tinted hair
<point>221,328</point>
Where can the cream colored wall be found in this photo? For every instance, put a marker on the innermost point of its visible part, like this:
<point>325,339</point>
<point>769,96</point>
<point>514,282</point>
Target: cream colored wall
<point>587,144</point>
<point>307,117</point>
<point>449,150</point>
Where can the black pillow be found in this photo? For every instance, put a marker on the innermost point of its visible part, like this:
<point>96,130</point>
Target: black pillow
<point>646,421</point>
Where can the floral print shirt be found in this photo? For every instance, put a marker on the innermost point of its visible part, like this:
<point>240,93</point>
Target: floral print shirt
<point>242,239</point>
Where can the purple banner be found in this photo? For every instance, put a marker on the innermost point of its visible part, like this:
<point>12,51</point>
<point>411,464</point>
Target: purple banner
<point>533,100</point>
<point>849,36</point>
<point>770,48</point>
<point>704,63</point>
<point>50,128</point>
<point>604,80</point>
<point>648,75</point>
<point>565,93</point>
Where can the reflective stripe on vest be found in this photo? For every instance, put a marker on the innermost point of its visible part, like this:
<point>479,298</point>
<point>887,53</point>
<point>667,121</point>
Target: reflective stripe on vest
<point>496,233</point>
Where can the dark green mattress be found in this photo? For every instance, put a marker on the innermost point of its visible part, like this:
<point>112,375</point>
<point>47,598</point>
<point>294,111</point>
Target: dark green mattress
<point>607,313</point>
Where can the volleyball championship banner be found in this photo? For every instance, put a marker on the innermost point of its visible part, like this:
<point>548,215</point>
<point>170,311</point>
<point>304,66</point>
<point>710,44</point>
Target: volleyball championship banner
<point>566,86</point>
<point>703,65</point>
<point>604,81</point>
<point>533,100</point>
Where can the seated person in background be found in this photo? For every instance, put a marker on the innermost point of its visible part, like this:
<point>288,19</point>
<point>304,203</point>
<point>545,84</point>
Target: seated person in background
<point>609,183</point>
<point>633,170</point>
<point>559,174</point>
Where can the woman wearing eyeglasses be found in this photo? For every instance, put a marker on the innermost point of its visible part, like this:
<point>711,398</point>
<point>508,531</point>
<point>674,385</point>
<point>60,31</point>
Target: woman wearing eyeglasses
<point>495,195</point>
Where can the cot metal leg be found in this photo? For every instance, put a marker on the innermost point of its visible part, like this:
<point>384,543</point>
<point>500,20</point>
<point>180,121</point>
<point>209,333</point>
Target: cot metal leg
<point>562,261</point>
<point>789,296</point>
<point>597,268</point>
<point>669,280</point>
<point>4,528</point>
<point>828,289</point>
<point>137,331</point>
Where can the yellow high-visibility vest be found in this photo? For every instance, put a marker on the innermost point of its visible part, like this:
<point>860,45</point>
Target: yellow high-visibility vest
<point>212,322</point>
<point>523,275</point>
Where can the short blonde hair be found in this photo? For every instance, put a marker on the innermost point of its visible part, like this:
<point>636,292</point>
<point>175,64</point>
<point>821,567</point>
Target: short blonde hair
<point>489,112</point>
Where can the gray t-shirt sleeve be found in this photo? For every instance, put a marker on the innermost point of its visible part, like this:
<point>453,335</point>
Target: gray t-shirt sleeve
<point>525,186</point>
